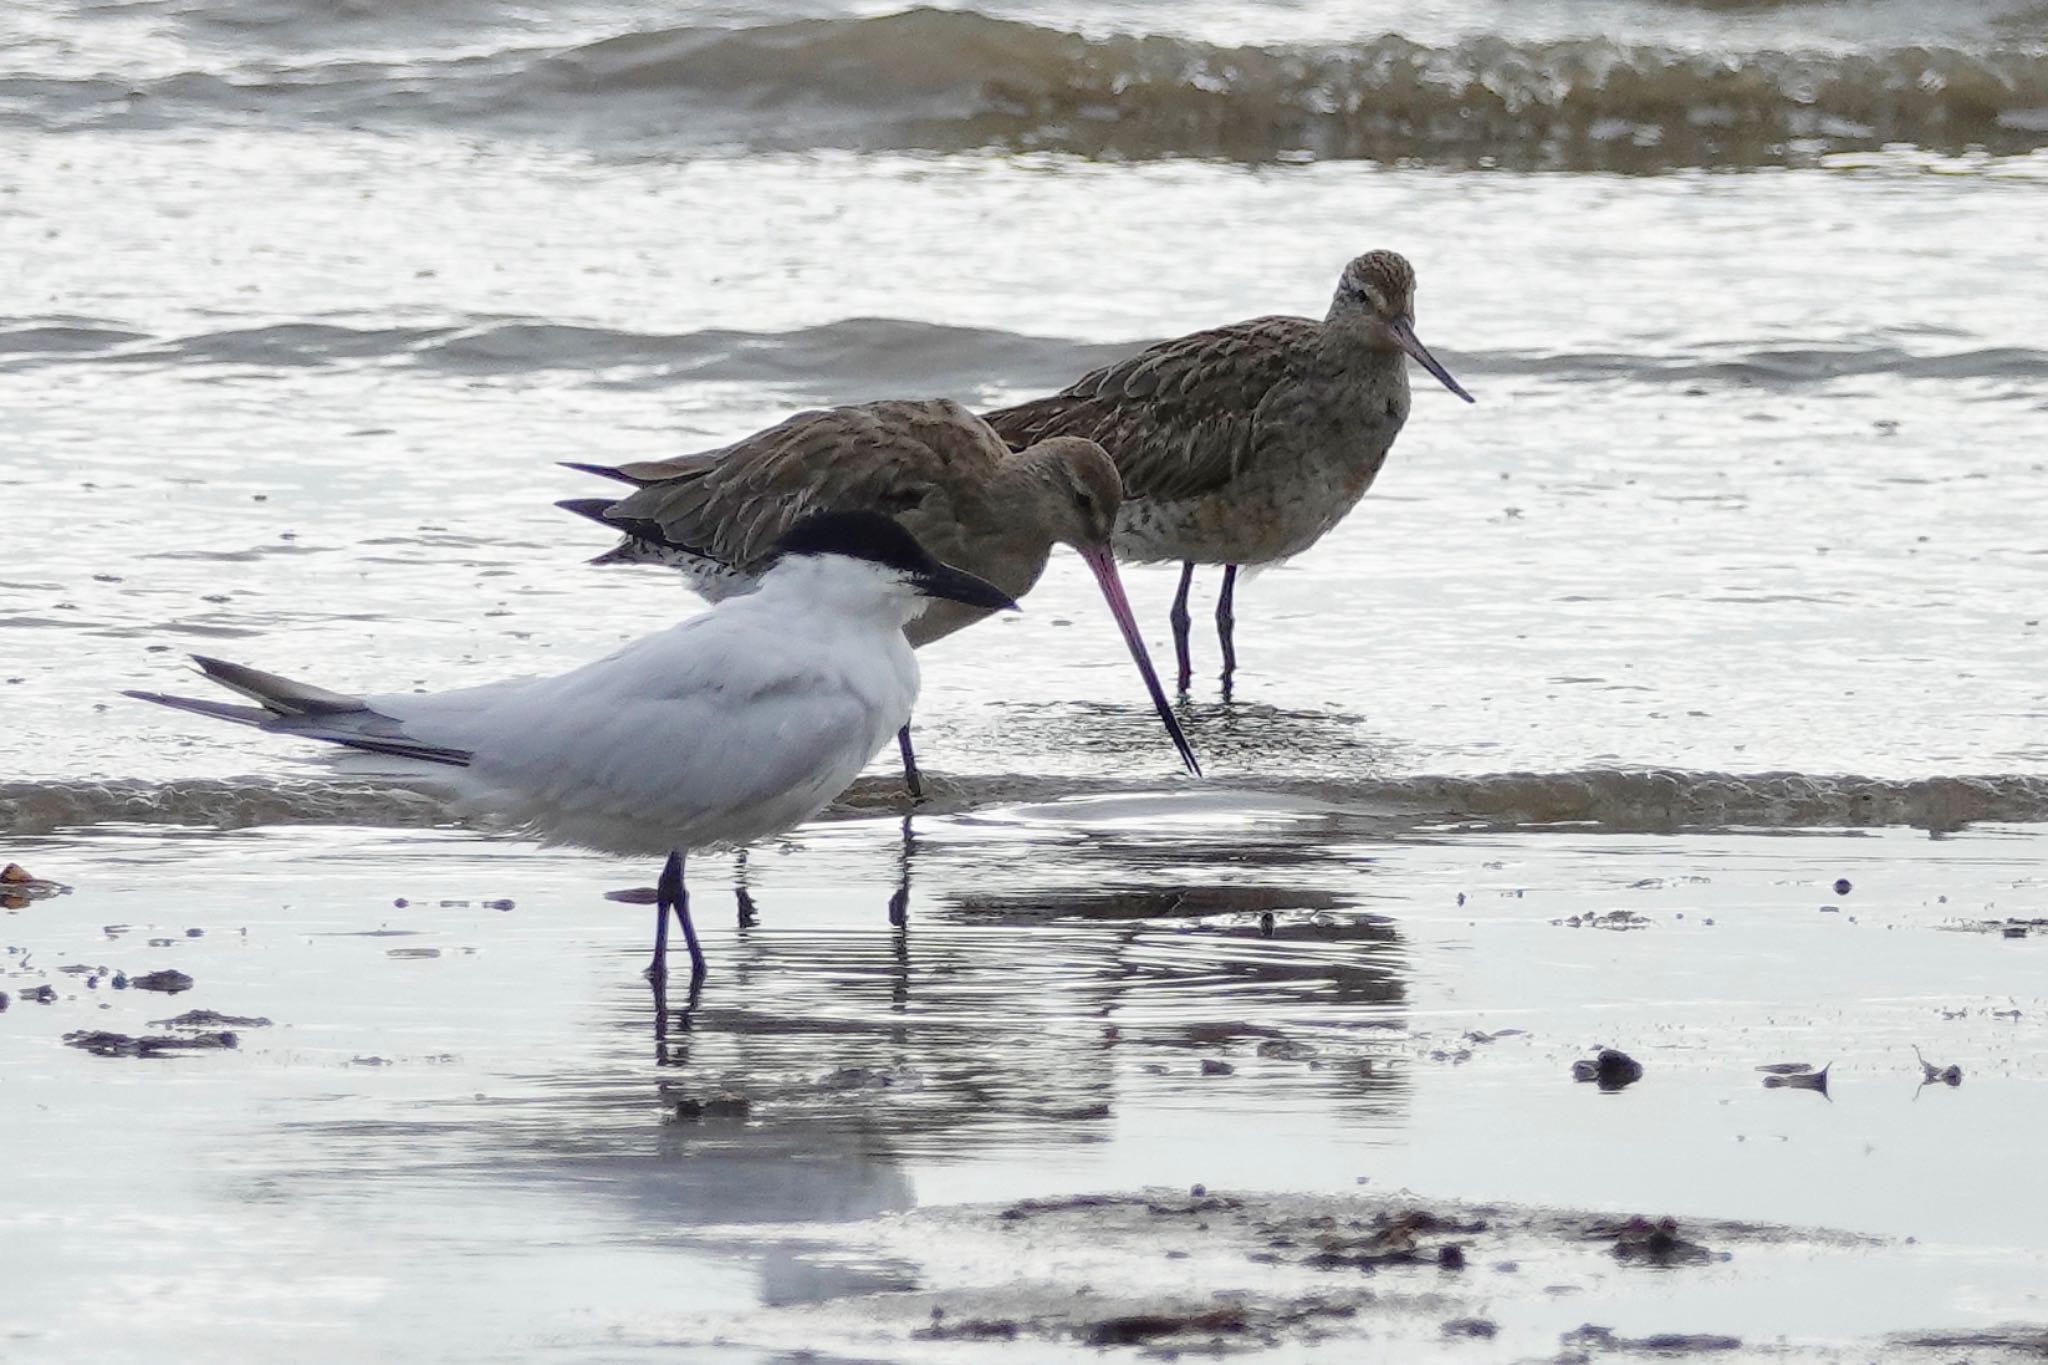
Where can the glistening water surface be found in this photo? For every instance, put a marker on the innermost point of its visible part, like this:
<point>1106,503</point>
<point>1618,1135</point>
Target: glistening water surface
<point>457,1106</point>
<point>1728,588</point>
<point>1760,499</point>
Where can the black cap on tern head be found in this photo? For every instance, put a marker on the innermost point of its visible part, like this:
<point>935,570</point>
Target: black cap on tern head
<point>878,540</point>
<point>857,535</point>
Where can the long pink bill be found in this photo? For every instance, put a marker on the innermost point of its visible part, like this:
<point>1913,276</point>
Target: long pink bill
<point>1404,336</point>
<point>1103,563</point>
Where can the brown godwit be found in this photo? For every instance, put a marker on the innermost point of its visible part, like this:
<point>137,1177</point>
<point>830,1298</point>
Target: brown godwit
<point>1245,444</point>
<point>932,465</point>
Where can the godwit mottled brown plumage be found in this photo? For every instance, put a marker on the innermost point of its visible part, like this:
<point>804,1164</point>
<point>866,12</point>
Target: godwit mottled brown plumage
<point>932,465</point>
<point>1245,444</point>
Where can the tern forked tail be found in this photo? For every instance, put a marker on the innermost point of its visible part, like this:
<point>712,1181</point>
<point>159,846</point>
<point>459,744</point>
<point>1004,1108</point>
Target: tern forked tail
<point>297,708</point>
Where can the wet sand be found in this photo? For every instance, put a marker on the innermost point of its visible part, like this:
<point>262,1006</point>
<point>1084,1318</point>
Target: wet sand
<point>456,1134</point>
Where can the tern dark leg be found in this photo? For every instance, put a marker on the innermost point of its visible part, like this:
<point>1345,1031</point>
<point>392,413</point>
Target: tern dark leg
<point>679,897</point>
<point>1226,624</point>
<point>669,893</point>
<point>909,765</point>
<point>1179,617</point>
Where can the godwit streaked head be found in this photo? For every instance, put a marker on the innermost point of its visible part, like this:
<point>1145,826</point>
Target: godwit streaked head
<point>1377,293</point>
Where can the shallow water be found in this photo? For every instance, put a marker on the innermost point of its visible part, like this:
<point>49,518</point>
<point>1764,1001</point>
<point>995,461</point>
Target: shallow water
<point>470,1075</point>
<point>1729,586</point>
<point>1791,526</point>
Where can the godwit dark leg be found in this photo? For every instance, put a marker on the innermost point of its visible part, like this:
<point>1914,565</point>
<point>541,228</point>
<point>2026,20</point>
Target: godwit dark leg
<point>1179,617</point>
<point>1226,623</point>
<point>909,765</point>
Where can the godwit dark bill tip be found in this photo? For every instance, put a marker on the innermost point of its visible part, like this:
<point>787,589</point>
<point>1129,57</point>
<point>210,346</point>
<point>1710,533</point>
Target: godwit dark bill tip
<point>1403,332</point>
<point>1102,561</point>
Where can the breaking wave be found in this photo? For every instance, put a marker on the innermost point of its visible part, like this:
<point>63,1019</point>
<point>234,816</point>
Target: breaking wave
<point>30,808</point>
<point>1621,800</point>
<point>950,81</point>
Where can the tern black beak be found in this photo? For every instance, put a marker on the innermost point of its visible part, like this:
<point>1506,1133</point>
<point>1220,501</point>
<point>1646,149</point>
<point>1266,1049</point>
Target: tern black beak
<point>1103,563</point>
<point>1402,329</point>
<point>957,585</point>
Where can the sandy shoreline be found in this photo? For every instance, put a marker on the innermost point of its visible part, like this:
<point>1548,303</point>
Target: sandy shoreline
<point>1217,1273</point>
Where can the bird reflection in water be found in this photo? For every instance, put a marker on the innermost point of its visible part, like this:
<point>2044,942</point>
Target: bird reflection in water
<point>1033,1011</point>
